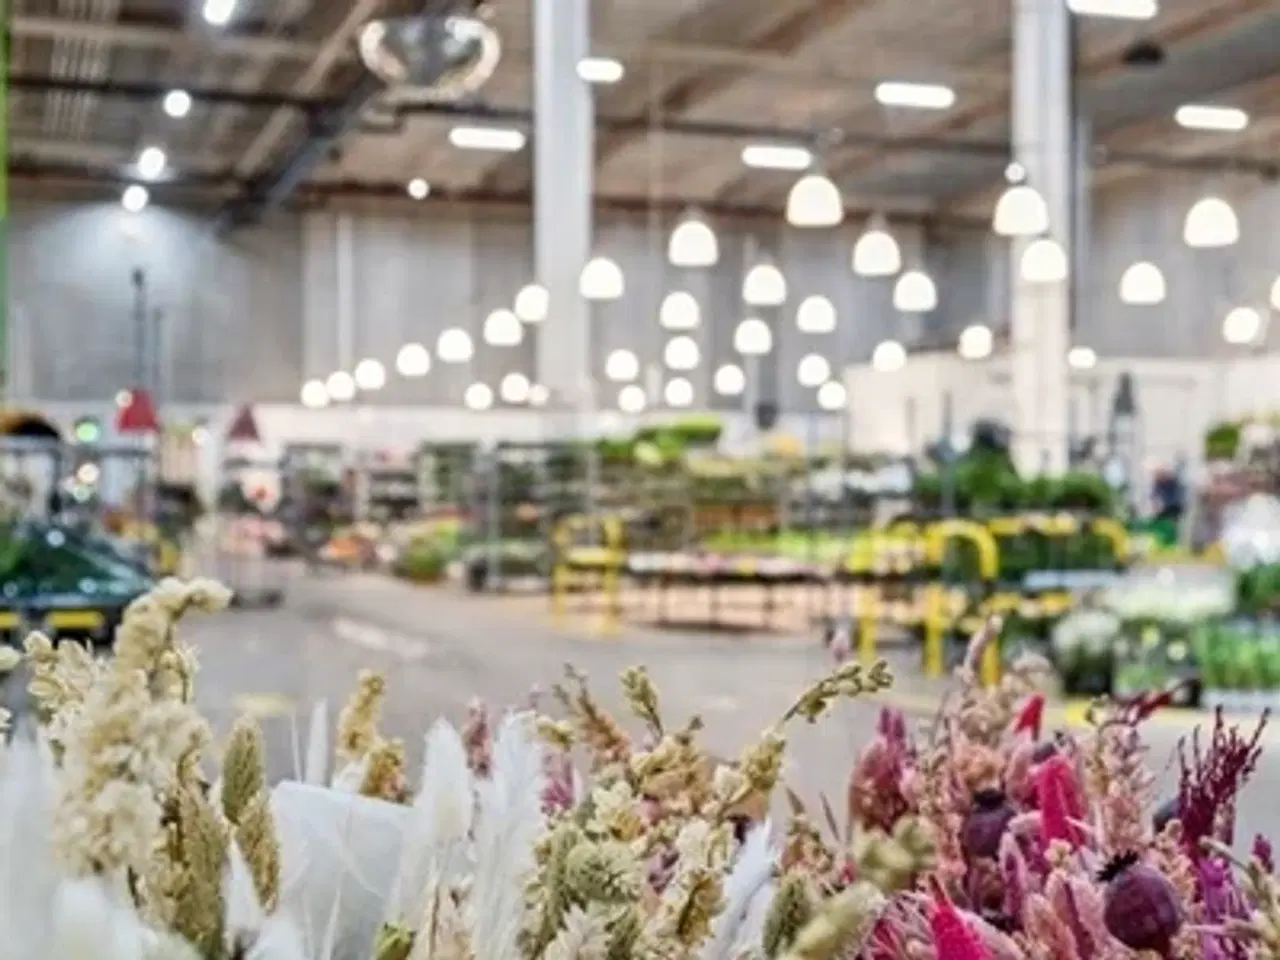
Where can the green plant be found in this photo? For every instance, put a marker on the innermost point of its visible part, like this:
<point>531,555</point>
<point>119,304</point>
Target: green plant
<point>1222,442</point>
<point>424,561</point>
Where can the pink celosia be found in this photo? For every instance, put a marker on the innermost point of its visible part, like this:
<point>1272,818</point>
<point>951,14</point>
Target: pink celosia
<point>1061,807</point>
<point>953,938</point>
<point>1031,717</point>
<point>1210,780</point>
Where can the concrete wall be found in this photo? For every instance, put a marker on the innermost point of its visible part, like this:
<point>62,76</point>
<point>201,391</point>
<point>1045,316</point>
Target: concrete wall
<point>250,318</point>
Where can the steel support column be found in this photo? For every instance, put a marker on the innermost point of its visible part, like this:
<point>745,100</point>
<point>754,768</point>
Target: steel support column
<point>1044,138</point>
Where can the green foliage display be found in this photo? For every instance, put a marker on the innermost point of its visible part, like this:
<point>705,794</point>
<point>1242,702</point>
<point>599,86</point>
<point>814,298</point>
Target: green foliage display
<point>1222,442</point>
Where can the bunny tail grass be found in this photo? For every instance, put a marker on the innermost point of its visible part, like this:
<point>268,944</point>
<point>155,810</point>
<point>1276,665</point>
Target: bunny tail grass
<point>509,823</point>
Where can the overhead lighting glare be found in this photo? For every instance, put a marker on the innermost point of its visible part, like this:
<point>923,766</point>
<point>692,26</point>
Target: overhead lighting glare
<point>419,188</point>
<point>915,96</point>
<point>1115,9</point>
<point>135,198</point>
<point>1195,116</point>
<point>601,70</point>
<point>693,244</point>
<point>501,139</point>
<point>177,103</point>
<point>218,12</point>
<point>763,156</point>
<point>151,163</point>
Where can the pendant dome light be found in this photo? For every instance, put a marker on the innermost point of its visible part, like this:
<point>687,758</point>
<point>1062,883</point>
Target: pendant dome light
<point>1021,210</point>
<point>816,314</point>
<point>730,380</point>
<point>976,342</point>
<point>915,292</point>
<point>753,338</point>
<point>413,360</point>
<point>1275,295</point>
<point>678,392</point>
<point>1082,358</point>
<point>341,386</point>
<point>813,370</point>
<point>631,399</point>
<point>1142,285</point>
<point>832,396</point>
<point>764,286</point>
<point>814,202</point>
<point>1211,222</point>
<point>601,279</point>
<point>876,254</point>
<point>1043,261</point>
<point>514,388</point>
<point>681,353</point>
<point>889,356</point>
<point>315,395</point>
<point>1242,326</point>
<point>502,328</point>
<point>693,244</point>
<point>621,366</point>
<point>370,375</point>
<point>679,311</point>
<point>478,396</point>
<point>454,345</point>
<point>532,302</point>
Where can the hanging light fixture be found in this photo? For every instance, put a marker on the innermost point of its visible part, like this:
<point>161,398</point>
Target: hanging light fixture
<point>681,353</point>
<point>816,314</point>
<point>502,328</point>
<point>1082,358</point>
<point>413,360</point>
<point>514,388</point>
<point>532,302</point>
<point>631,399</point>
<point>753,338</point>
<point>601,279</point>
<point>341,386</point>
<point>1021,210</point>
<point>1211,222</point>
<point>730,380</point>
<point>889,356</point>
<point>478,396</point>
<point>693,244</point>
<point>679,311</point>
<point>814,202</point>
<point>678,392</point>
<point>370,374</point>
<point>1043,261</point>
<point>976,342</point>
<point>813,370</point>
<point>876,254</point>
<point>832,396</point>
<point>621,366</point>
<point>1242,326</point>
<point>915,292</point>
<point>314,395</point>
<point>764,286</point>
<point>1275,294</point>
<point>454,346</point>
<point>1142,284</point>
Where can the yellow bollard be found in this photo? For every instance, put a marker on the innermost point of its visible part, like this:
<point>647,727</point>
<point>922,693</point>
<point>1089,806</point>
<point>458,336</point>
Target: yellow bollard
<point>611,579</point>
<point>938,617</point>
<point>561,542</point>
<point>935,630</point>
<point>868,625</point>
<point>990,669</point>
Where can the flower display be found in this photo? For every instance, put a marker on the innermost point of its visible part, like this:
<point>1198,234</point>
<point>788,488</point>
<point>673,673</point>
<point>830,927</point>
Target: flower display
<point>573,834</point>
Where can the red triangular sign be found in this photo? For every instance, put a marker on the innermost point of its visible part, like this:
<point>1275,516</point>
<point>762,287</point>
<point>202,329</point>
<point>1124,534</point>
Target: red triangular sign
<point>244,428</point>
<point>137,414</point>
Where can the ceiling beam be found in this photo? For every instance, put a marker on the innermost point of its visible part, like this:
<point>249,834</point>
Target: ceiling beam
<point>149,36</point>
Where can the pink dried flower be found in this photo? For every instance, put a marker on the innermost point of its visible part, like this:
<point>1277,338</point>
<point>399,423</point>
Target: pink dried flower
<point>477,736</point>
<point>875,796</point>
<point>1031,717</point>
<point>953,938</point>
<point>1264,854</point>
<point>1014,873</point>
<point>1047,933</point>
<point>1061,807</point>
<point>1211,779</point>
<point>983,828</point>
<point>559,791</point>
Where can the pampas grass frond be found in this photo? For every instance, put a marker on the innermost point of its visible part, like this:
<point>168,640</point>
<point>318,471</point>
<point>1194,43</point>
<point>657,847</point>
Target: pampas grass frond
<point>584,936</point>
<point>509,824</point>
<point>752,872</point>
<point>316,764</point>
<point>88,922</point>
<point>436,837</point>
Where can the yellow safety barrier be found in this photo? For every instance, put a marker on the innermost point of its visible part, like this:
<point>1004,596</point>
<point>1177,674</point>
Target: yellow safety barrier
<point>938,618</point>
<point>607,560</point>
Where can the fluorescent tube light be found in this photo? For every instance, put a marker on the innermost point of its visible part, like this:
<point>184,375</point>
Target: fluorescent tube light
<point>1203,117</point>
<point>504,139</point>
<point>602,70</point>
<point>764,156</point>
<point>1115,9</point>
<point>918,96</point>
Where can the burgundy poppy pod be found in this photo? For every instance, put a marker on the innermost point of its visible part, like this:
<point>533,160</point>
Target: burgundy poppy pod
<point>985,825</point>
<point>1141,908</point>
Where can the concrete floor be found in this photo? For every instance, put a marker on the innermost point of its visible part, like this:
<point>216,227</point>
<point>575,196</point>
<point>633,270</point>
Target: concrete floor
<point>439,648</point>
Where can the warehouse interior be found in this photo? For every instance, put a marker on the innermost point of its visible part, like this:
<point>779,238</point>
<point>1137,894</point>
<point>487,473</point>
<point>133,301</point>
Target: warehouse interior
<point>462,339</point>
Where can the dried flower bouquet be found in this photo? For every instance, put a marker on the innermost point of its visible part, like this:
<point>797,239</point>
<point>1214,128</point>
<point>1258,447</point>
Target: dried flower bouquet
<point>539,837</point>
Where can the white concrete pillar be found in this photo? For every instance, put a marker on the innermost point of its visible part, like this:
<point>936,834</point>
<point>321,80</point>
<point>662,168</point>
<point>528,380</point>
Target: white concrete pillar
<point>1040,314</point>
<point>563,165</point>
